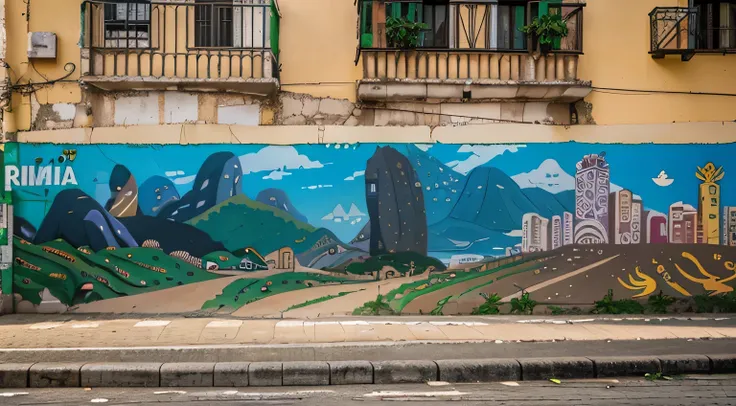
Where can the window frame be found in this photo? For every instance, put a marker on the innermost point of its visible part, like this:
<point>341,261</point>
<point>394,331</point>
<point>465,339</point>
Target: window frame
<point>107,21</point>
<point>213,7</point>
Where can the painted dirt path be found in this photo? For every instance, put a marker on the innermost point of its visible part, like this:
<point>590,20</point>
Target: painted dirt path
<point>275,305</point>
<point>180,299</point>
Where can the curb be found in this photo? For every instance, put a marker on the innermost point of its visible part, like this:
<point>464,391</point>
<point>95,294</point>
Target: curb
<point>323,373</point>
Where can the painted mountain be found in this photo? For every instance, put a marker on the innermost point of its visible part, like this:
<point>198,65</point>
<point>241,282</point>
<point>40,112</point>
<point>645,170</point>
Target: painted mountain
<point>218,179</point>
<point>155,193</point>
<point>82,221</point>
<point>487,217</point>
<point>440,184</point>
<point>277,198</point>
<point>241,222</point>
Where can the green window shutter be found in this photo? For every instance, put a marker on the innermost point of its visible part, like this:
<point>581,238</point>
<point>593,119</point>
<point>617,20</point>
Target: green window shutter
<point>519,22</point>
<point>396,10</point>
<point>412,14</point>
<point>275,21</point>
<point>366,38</point>
<point>543,8</point>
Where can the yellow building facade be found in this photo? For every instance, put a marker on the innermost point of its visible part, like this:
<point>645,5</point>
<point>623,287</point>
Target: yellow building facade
<point>467,102</point>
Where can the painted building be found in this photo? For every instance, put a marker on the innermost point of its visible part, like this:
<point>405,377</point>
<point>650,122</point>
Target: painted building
<point>683,222</point>
<point>324,154</point>
<point>729,226</point>
<point>654,228</point>
<point>536,232</point>
<point>709,200</point>
<point>567,228</point>
<point>621,220</point>
<point>556,233</point>
<point>592,189</point>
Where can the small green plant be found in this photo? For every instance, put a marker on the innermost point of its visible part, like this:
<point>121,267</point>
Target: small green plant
<point>490,306</point>
<point>659,303</point>
<point>624,306</point>
<point>523,304</point>
<point>547,29</point>
<point>657,376</point>
<point>374,308</point>
<point>403,33</point>
<point>722,303</point>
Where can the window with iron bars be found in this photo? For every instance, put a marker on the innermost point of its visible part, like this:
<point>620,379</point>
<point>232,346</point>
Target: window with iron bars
<point>127,24</point>
<point>481,24</point>
<point>231,24</point>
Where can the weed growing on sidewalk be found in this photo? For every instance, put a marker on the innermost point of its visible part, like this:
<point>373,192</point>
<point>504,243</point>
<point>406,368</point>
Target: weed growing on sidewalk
<point>374,308</point>
<point>657,376</point>
<point>489,307</point>
<point>622,306</point>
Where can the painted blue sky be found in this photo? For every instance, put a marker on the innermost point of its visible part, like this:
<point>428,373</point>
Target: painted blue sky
<point>319,177</point>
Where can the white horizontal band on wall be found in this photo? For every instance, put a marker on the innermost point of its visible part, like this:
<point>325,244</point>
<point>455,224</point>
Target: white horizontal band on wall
<point>675,133</point>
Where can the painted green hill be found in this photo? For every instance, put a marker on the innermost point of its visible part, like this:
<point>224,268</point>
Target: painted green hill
<point>241,222</point>
<point>81,275</point>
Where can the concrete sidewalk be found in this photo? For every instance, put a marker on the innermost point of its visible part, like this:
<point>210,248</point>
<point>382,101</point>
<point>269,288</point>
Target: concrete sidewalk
<point>65,331</point>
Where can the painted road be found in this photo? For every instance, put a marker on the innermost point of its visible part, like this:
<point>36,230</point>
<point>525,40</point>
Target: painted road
<point>687,390</point>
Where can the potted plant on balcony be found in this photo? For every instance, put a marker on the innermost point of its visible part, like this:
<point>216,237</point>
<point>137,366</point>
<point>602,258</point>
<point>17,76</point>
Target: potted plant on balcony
<point>403,33</point>
<point>546,29</point>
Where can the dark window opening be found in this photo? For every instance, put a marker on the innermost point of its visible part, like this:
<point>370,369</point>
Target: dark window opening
<point>715,25</point>
<point>127,24</point>
<point>511,17</point>
<point>213,24</point>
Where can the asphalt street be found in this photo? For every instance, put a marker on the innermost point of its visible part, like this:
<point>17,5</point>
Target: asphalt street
<point>686,390</point>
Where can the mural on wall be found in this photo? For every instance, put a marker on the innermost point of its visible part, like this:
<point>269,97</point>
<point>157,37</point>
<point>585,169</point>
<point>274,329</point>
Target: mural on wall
<point>323,229</point>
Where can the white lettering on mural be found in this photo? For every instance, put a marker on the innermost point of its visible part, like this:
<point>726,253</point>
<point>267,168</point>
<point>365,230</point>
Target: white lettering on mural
<point>45,175</point>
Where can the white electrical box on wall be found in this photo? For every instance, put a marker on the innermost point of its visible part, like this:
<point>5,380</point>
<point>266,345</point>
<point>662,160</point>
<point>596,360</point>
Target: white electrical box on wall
<point>42,45</point>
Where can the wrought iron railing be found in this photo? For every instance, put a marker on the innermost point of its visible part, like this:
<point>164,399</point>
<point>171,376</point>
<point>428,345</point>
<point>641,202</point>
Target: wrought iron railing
<point>690,30</point>
<point>203,39</point>
<point>461,35</point>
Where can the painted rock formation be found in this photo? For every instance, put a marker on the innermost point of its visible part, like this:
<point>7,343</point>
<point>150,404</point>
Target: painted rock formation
<point>124,193</point>
<point>217,180</point>
<point>155,193</point>
<point>80,220</point>
<point>395,204</point>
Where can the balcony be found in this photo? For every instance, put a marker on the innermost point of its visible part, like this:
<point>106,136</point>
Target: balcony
<point>192,46</point>
<point>686,31</point>
<point>471,50</point>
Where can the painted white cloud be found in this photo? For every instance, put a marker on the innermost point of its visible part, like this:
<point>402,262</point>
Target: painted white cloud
<point>515,233</point>
<point>552,178</point>
<point>276,157</point>
<point>481,154</point>
<point>184,180</point>
<point>548,176</point>
<point>277,175</point>
<point>315,187</point>
<point>424,147</point>
<point>356,174</point>
<point>338,214</point>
